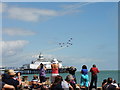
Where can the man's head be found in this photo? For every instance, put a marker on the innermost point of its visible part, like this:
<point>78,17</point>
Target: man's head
<point>11,72</point>
<point>109,80</point>
<point>94,65</point>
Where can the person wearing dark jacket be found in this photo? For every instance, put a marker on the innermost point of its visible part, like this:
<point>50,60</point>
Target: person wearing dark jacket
<point>57,83</point>
<point>8,78</point>
<point>72,71</point>
<point>109,85</point>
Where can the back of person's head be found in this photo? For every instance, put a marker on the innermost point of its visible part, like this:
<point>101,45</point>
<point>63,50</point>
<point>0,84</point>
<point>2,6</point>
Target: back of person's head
<point>58,79</point>
<point>94,65</point>
<point>35,77</point>
<point>84,67</point>
<point>104,81</point>
<point>24,78</point>
<point>72,68</point>
<point>69,78</point>
<point>114,81</point>
<point>41,65</point>
<point>18,73</point>
<point>109,80</point>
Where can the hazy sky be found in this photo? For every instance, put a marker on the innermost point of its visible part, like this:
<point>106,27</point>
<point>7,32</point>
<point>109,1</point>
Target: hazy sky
<point>31,28</point>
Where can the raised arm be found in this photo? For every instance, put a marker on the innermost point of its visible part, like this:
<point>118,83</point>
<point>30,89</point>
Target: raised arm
<point>38,67</point>
<point>6,86</point>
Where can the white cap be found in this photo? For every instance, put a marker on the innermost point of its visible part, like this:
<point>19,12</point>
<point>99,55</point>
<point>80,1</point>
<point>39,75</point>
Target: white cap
<point>55,61</point>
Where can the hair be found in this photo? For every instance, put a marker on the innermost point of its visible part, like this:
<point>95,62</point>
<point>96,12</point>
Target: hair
<point>41,65</point>
<point>109,80</point>
<point>104,81</point>
<point>94,65</point>
<point>35,77</point>
<point>114,81</point>
<point>17,73</point>
<point>69,78</point>
<point>58,80</point>
<point>84,67</point>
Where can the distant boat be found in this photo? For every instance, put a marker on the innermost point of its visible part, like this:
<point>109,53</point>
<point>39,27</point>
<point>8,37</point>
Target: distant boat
<point>46,62</point>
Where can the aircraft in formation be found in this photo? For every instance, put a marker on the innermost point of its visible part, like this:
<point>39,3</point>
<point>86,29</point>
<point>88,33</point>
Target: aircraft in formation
<point>67,44</point>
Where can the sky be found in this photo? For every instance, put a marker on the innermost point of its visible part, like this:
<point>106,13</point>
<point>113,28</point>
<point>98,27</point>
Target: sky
<point>29,28</point>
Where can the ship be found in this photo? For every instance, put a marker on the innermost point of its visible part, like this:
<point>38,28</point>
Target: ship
<point>32,68</point>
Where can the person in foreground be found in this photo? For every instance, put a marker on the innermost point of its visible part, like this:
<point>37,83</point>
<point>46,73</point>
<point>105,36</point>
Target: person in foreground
<point>8,78</point>
<point>109,85</point>
<point>57,83</point>
<point>4,86</point>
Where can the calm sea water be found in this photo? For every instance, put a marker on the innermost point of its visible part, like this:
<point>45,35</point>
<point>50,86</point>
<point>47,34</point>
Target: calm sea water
<point>101,76</point>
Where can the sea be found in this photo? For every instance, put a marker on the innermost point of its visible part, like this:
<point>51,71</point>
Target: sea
<point>114,74</point>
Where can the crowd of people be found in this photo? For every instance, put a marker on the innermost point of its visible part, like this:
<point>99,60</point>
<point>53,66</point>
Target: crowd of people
<point>13,81</point>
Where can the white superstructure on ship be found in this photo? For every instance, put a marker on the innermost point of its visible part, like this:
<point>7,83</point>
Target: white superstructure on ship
<point>47,63</point>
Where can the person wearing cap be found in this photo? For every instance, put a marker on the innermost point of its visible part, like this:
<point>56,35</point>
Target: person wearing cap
<point>94,70</point>
<point>72,71</point>
<point>10,79</point>
<point>71,82</point>
<point>55,69</point>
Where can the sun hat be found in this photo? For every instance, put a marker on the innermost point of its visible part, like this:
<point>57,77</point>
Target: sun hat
<point>54,61</point>
<point>11,72</point>
<point>69,77</point>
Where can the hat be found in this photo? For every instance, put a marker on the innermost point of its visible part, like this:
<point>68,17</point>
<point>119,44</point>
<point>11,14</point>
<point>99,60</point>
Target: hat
<point>11,72</point>
<point>54,61</point>
<point>69,77</point>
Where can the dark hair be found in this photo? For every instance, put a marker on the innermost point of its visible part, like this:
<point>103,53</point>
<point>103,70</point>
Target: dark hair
<point>41,65</point>
<point>17,73</point>
<point>104,81</point>
<point>58,80</point>
<point>35,77</point>
<point>94,65</point>
<point>68,78</point>
<point>84,67</point>
<point>114,81</point>
<point>109,80</point>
